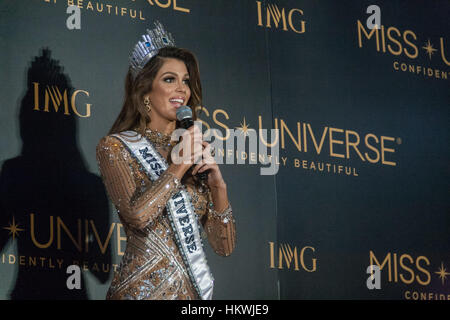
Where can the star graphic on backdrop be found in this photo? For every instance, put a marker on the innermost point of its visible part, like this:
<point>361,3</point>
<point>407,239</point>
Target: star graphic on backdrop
<point>13,228</point>
<point>442,273</point>
<point>244,127</point>
<point>429,48</point>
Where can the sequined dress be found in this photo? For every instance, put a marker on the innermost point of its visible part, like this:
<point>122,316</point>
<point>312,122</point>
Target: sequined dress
<point>152,266</point>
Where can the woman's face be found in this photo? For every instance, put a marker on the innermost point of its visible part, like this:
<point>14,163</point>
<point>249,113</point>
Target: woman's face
<point>170,90</point>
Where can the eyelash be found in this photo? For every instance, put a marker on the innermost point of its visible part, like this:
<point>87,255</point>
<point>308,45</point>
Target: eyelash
<point>172,78</point>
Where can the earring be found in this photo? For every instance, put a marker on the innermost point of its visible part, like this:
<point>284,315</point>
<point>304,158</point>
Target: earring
<point>148,104</point>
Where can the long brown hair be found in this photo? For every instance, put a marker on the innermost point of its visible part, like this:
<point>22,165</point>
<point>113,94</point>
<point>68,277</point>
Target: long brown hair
<point>134,115</point>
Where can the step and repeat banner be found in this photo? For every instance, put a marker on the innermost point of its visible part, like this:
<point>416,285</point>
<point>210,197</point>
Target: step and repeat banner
<point>350,98</point>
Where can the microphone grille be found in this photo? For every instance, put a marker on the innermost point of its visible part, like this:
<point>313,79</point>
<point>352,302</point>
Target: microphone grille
<point>184,112</point>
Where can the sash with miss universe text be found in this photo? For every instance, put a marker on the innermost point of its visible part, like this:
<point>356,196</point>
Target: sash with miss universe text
<point>180,211</point>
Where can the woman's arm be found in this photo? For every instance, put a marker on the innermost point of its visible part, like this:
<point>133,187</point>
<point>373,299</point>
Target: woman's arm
<point>218,222</point>
<point>219,197</point>
<point>137,200</point>
<point>219,225</point>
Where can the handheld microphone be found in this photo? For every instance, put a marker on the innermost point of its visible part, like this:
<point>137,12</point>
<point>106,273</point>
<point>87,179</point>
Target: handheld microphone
<point>184,116</point>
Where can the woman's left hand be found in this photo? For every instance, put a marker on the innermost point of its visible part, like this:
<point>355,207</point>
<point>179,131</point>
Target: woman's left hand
<point>215,179</point>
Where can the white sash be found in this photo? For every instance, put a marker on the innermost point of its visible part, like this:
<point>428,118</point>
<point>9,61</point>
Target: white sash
<point>180,211</point>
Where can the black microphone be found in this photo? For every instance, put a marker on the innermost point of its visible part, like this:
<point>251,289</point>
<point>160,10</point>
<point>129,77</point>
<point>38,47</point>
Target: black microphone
<point>184,116</point>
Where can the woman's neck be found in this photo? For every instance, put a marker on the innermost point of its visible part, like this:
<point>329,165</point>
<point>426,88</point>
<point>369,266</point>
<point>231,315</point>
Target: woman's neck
<point>166,128</point>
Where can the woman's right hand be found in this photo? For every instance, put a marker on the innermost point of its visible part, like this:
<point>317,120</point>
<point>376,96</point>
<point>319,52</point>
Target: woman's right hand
<point>187,152</point>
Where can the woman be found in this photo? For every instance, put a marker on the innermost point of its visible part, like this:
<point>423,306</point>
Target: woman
<point>160,201</point>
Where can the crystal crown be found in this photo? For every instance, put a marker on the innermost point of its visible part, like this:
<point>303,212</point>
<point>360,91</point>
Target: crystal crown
<point>153,41</point>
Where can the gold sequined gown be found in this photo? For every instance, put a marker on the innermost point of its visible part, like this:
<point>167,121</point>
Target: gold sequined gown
<point>152,266</point>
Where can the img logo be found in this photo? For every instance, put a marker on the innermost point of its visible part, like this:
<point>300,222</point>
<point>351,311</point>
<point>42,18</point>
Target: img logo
<point>287,19</point>
<point>292,258</point>
<point>57,97</point>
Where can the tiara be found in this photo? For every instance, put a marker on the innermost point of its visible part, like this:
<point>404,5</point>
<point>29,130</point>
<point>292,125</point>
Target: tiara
<point>153,41</point>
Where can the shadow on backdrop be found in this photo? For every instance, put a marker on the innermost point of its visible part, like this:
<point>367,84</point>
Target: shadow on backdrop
<point>48,198</point>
